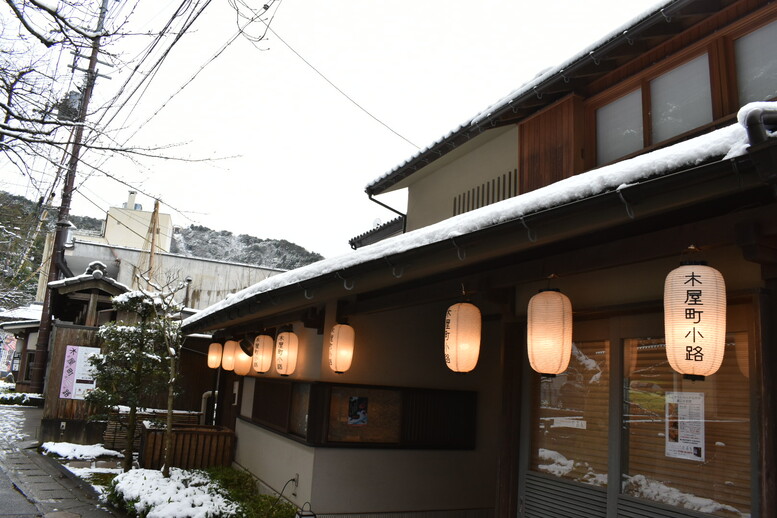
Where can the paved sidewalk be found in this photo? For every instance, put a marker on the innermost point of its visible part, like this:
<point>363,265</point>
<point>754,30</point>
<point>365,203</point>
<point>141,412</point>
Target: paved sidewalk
<point>48,489</point>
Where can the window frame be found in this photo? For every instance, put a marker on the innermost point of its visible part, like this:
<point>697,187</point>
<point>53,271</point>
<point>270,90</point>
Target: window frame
<point>723,85</point>
<point>644,320</point>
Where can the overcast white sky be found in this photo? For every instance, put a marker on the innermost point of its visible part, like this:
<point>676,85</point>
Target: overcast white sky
<point>301,152</point>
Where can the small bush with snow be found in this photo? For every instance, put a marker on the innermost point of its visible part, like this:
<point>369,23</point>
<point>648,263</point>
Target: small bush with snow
<point>186,494</point>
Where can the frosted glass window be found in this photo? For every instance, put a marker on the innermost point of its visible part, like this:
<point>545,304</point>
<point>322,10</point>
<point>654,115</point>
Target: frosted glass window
<point>619,128</point>
<point>681,99</point>
<point>756,57</point>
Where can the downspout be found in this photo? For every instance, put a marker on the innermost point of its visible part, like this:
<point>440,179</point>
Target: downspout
<point>395,211</point>
<point>204,405</point>
<point>758,123</point>
<point>60,255</point>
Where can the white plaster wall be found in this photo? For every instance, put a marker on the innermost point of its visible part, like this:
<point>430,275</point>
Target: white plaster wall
<point>126,227</point>
<point>274,460</point>
<point>431,194</point>
<point>404,347</point>
<point>362,481</point>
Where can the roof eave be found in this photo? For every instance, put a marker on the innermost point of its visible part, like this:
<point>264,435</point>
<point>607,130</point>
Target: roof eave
<point>734,181</point>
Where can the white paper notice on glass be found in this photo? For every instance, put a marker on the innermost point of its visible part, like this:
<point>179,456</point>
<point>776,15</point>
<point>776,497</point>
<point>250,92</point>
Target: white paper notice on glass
<point>77,378</point>
<point>685,425</point>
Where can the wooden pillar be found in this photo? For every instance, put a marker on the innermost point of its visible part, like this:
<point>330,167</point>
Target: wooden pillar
<point>91,310</point>
<point>767,389</point>
<point>760,246</point>
<point>513,338</point>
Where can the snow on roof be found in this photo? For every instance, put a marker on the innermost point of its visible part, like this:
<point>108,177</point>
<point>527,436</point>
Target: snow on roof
<point>727,142</point>
<point>31,312</point>
<point>529,85</point>
<point>96,275</point>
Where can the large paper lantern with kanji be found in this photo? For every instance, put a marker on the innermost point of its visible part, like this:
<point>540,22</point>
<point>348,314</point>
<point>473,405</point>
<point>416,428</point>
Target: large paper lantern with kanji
<point>695,319</point>
<point>286,347</point>
<point>462,337</point>
<point>263,349</point>
<point>341,344</point>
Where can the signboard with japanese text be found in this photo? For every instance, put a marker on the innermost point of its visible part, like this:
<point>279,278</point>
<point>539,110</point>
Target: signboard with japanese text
<point>685,425</point>
<point>77,379</point>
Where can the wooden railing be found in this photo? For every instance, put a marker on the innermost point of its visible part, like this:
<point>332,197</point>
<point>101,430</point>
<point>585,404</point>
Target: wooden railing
<point>193,447</point>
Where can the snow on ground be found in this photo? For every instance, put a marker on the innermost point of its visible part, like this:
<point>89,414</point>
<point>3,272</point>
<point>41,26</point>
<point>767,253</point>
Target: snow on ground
<point>557,464</point>
<point>186,494</point>
<point>638,486</point>
<point>11,423</point>
<point>67,450</point>
<point>643,487</point>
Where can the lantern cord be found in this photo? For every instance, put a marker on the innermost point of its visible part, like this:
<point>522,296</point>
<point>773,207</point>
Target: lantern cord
<point>629,211</point>
<point>460,252</point>
<point>530,233</point>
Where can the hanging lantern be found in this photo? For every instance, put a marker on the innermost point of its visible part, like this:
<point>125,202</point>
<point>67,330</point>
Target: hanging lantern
<point>462,337</point>
<point>263,346</point>
<point>242,362</point>
<point>214,355</point>
<point>549,332</point>
<point>228,357</point>
<point>341,342</point>
<point>286,346</point>
<point>695,319</point>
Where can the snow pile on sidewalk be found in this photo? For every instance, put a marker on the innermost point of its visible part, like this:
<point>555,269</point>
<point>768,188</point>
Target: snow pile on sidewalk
<point>67,450</point>
<point>11,424</point>
<point>20,398</point>
<point>186,494</point>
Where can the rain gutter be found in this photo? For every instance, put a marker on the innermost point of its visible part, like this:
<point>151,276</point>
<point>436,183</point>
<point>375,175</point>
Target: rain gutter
<point>395,211</point>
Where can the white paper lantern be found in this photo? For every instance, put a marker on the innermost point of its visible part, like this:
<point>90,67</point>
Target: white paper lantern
<point>242,362</point>
<point>228,356</point>
<point>695,319</point>
<point>549,332</point>
<point>214,355</point>
<point>341,343</point>
<point>462,337</point>
<point>286,346</point>
<point>263,348</point>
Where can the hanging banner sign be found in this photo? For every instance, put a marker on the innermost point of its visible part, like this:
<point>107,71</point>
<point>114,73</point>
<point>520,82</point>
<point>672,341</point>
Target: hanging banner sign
<point>685,425</point>
<point>77,379</point>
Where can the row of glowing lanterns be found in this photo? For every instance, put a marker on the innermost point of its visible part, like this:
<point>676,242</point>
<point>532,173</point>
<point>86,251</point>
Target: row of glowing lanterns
<point>231,356</point>
<point>694,325</point>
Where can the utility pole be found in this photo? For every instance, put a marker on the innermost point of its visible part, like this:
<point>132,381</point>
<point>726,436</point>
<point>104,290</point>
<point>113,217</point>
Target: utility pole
<point>38,371</point>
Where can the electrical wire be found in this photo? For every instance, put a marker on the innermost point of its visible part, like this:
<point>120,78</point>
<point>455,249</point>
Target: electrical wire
<point>353,101</point>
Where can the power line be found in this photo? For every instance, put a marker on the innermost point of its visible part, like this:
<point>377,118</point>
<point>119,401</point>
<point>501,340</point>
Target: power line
<point>362,108</point>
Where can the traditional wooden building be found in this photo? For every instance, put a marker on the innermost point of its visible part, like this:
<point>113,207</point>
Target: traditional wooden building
<point>597,179</point>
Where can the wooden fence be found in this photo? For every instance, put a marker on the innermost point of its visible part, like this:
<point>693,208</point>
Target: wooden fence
<point>193,447</point>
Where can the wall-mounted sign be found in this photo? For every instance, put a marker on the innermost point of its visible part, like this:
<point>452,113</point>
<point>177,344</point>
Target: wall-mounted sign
<point>77,379</point>
<point>685,425</point>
